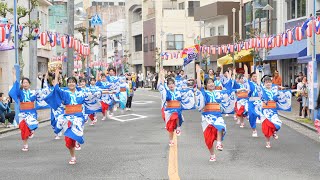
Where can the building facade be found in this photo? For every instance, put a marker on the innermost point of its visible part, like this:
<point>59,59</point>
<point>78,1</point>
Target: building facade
<point>134,26</point>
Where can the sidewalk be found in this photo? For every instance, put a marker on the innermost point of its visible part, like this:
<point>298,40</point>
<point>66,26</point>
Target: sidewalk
<point>293,115</point>
<point>43,116</point>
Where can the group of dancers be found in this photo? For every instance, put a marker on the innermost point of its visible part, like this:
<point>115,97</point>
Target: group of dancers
<point>214,95</point>
<point>72,106</point>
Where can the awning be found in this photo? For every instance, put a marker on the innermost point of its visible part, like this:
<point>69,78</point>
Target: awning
<point>294,50</point>
<point>306,59</point>
<point>242,56</point>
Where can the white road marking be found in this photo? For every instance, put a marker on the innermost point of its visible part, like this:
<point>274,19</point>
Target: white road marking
<point>122,119</point>
<point>142,102</point>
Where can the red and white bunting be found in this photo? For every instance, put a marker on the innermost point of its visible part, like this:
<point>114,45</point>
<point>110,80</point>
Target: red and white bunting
<point>239,47</point>
<point>258,45</point>
<point>2,34</point>
<point>253,42</point>
<point>290,36</point>
<point>76,45</point>
<point>263,42</point>
<point>213,50</point>
<point>271,42</point>
<point>70,42</point>
<point>54,40</point>
<point>278,40</point>
<point>43,38</point>
<point>63,40</point>
<point>298,33</point>
<point>219,50</point>
<point>225,49</point>
<point>81,49</point>
<point>231,48</point>
<point>284,39</point>
<point>317,24</point>
<point>246,45</point>
<point>309,29</point>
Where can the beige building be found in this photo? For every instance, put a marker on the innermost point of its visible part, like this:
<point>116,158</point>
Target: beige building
<point>168,26</point>
<point>43,53</point>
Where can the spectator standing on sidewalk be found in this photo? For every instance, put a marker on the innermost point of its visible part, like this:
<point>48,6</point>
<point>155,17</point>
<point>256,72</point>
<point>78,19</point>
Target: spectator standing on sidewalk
<point>298,95</point>
<point>141,79</point>
<point>317,118</point>
<point>277,80</point>
<point>305,99</point>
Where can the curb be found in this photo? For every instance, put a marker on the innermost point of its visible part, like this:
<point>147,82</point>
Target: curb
<point>16,128</point>
<point>297,122</point>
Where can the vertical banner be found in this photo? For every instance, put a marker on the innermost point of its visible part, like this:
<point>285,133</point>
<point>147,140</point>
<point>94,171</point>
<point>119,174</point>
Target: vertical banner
<point>310,84</point>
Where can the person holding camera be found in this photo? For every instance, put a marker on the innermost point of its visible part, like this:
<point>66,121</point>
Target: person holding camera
<point>5,110</point>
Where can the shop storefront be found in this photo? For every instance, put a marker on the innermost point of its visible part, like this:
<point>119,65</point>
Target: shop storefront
<point>287,57</point>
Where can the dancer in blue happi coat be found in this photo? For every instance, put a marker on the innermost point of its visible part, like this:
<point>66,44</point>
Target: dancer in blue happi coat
<point>241,87</point>
<point>73,120</point>
<point>173,103</point>
<point>28,116</point>
<point>213,125</point>
<point>254,103</point>
<point>106,100</point>
<point>123,94</point>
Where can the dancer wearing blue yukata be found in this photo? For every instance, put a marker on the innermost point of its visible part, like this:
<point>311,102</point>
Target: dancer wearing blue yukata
<point>171,103</point>
<point>213,125</point>
<point>92,105</point>
<point>54,114</point>
<point>114,85</point>
<point>242,89</point>
<point>73,120</point>
<point>106,98</point>
<point>27,120</point>
<point>271,122</point>
<point>254,103</point>
<point>123,94</point>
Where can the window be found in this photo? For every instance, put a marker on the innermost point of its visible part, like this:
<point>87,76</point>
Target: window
<point>99,3</point>
<point>213,31</point>
<point>122,4</point>
<point>145,44</point>
<point>111,3</point>
<point>94,3</point>
<point>221,30</point>
<point>248,11</point>
<point>152,43</point>
<point>138,43</point>
<point>181,5</point>
<point>191,6</point>
<point>175,42</point>
<point>296,9</point>
<point>115,43</point>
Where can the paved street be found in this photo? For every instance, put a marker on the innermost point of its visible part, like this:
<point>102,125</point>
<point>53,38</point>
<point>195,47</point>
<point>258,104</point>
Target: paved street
<point>136,147</point>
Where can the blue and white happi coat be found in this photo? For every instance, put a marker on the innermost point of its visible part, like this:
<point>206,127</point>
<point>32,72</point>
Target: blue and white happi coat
<point>255,103</point>
<point>66,97</point>
<point>180,82</point>
<point>92,103</point>
<point>22,95</point>
<point>106,98</point>
<point>186,100</point>
<point>215,119</point>
<point>123,96</point>
<point>271,114</point>
<point>242,101</point>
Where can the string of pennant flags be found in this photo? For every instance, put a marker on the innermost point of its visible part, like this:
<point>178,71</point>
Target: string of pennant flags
<point>54,38</point>
<point>286,38</point>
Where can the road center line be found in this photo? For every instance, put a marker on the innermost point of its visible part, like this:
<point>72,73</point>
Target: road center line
<point>173,172</point>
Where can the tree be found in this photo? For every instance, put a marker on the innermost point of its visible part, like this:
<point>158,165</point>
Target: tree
<point>30,24</point>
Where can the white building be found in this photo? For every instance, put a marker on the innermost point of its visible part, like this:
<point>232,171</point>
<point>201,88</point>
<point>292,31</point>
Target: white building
<point>43,54</point>
<point>134,26</point>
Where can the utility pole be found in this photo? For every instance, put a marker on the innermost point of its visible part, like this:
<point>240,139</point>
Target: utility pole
<point>70,63</point>
<point>33,71</point>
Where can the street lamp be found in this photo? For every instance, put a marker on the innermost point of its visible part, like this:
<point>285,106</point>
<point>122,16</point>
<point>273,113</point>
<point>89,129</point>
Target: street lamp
<point>234,33</point>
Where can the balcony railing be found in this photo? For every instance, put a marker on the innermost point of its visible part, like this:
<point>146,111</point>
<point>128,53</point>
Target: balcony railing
<point>175,45</point>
